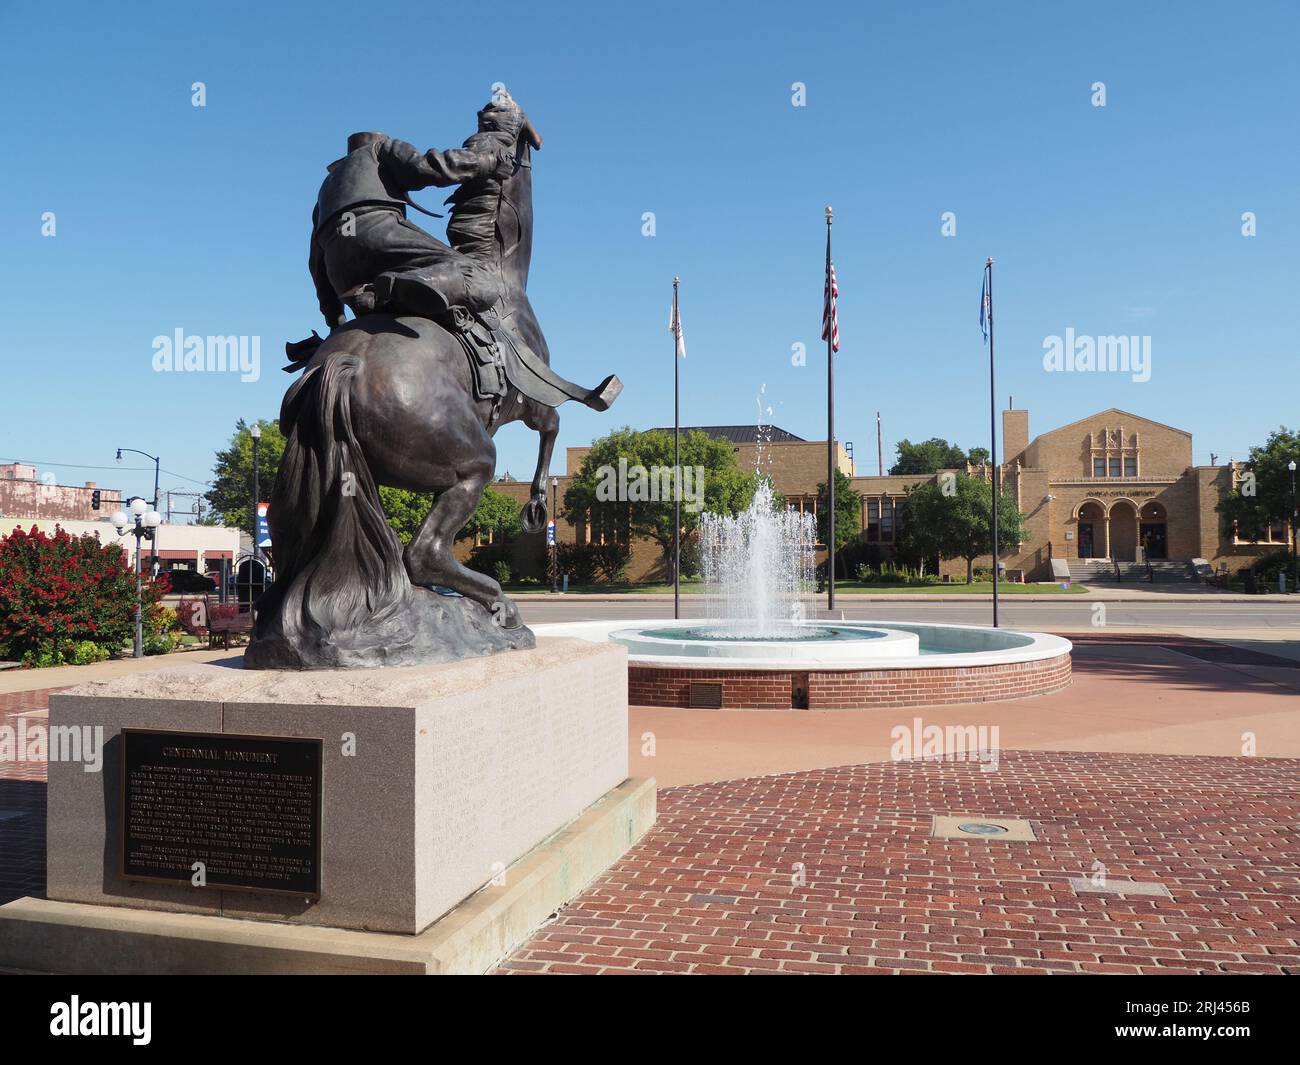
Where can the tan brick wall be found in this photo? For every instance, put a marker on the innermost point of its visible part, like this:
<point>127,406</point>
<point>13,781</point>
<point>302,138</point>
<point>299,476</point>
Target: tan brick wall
<point>1015,434</point>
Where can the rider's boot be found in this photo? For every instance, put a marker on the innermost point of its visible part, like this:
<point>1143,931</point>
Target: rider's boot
<point>432,291</point>
<point>362,300</point>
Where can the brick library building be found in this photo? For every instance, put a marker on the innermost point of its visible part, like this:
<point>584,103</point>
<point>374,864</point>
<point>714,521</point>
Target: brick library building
<point>1112,489</point>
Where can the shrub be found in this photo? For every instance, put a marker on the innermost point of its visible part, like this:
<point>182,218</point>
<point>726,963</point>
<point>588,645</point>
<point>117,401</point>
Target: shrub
<point>486,558</point>
<point>42,656</point>
<point>611,561</point>
<point>160,619</point>
<point>1269,565</point>
<point>578,561</point>
<point>501,571</point>
<point>159,643</point>
<point>191,616</point>
<point>57,591</point>
<point>85,652</point>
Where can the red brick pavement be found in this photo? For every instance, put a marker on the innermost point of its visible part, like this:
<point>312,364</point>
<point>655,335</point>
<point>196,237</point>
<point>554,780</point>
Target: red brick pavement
<point>715,887</point>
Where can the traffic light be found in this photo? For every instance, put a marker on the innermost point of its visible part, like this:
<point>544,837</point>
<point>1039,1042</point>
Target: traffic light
<point>94,499</point>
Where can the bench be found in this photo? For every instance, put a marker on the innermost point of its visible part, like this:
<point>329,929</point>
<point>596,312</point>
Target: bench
<point>222,623</point>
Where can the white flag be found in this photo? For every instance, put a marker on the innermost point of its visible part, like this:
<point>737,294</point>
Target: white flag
<point>675,327</point>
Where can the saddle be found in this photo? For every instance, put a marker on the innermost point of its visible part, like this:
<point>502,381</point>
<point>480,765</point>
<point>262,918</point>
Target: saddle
<point>484,347</point>
<point>498,361</point>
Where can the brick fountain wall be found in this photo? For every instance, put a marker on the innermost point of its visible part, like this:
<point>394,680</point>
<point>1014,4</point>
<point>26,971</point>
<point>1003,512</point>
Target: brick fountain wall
<point>849,689</point>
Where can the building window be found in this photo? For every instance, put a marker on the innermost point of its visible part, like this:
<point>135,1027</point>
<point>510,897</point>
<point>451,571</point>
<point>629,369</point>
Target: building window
<point>1130,466</point>
<point>1099,467</point>
<point>1114,467</point>
<point>873,521</point>
<point>1276,533</point>
<point>887,520</point>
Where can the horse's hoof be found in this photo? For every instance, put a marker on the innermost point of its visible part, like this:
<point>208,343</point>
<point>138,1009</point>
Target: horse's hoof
<point>533,515</point>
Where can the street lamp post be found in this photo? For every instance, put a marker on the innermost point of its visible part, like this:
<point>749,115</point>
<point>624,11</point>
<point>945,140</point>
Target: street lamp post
<point>1295,566</point>
<point>256,433</point>
<point>141,522</point>
<point>153,506</point>
<point>555,545</point>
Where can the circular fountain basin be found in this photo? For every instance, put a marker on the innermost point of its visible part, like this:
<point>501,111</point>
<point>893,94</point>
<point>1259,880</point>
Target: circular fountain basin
<point>828,665</point>
<point>806,642</point>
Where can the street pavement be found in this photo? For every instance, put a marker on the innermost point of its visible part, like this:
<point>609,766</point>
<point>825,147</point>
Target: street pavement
<point>1281,620</point>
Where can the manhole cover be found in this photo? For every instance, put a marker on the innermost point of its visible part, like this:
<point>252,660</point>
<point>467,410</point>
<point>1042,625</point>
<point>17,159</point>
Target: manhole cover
<point>982,828</point>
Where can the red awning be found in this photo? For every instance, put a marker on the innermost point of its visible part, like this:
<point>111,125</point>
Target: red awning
<point>216,555</point>
<point>191,556</point>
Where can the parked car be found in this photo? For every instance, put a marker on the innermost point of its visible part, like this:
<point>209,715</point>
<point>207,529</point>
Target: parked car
<point>188,582</point>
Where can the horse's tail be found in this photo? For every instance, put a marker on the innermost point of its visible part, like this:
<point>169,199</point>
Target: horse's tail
<point>338,561</point>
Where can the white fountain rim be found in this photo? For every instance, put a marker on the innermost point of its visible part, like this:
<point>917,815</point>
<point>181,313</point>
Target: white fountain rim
<point>1042,646</point>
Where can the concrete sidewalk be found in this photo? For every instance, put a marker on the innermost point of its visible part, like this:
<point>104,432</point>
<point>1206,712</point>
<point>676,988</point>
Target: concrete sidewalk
<point>21,680</point>
<point>1144,694</point>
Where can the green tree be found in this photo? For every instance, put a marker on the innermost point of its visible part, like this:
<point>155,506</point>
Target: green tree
<point>497,516</point>
<point>640,502</point>
<point>933,455</point>
<point>1257,503</point>
<point>917,540</point>
<point>231,494</point>
<point>957,523</point>
<point>848,516</point>
<point>232,490</point>
<point>405,510</point>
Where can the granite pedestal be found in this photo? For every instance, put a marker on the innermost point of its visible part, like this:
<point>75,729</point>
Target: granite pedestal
<point>436,780</point>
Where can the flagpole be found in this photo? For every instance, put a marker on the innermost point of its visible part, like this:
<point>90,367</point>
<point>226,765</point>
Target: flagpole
<point>677,457</point>
<point>830,427</point>
<point>993,445</point>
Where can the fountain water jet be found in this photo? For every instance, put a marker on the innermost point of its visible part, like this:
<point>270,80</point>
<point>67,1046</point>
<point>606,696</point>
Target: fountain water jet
<point>757,565</point>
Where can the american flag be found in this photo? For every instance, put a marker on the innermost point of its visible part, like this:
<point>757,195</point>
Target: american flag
<point>830,315</point>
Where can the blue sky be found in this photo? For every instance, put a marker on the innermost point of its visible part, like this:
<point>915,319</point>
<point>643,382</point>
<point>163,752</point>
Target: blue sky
<point>1117,220</point>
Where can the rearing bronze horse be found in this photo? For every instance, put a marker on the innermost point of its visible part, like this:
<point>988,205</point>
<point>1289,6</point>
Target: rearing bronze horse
<point>390,400</point>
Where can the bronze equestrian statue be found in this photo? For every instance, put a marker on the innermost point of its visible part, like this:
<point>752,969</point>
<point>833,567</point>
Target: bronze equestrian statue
<point>444,349</point>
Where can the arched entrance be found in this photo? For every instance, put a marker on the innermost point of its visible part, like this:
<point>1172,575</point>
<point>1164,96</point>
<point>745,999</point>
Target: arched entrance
<point>1153,531</point>
<point>1123,531</point>
<point>1092,531</point>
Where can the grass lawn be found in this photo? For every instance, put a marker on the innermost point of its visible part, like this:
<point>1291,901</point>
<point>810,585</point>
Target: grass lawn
<point>851,587</point>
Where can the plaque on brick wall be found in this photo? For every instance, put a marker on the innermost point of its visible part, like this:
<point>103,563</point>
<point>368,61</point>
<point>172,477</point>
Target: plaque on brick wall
<point>247,807</point>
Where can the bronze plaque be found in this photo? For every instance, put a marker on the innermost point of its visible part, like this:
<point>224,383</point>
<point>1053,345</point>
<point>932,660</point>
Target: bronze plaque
<point>247,807</point>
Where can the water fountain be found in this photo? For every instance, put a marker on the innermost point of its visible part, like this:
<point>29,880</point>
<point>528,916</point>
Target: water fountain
<point>760,647</point>
<point>759,565</point>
